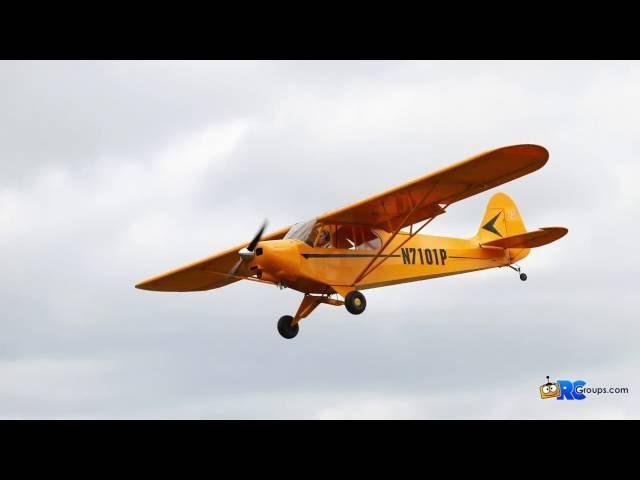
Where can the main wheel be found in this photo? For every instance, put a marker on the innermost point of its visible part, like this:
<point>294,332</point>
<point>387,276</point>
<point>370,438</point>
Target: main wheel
<point>523,276</point>
<point>285,329</point>
<point>355,302</point>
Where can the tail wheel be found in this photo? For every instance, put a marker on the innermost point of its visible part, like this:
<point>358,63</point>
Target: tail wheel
<point>285,329</point>
<point>355,302</point>
<point>523,276</point>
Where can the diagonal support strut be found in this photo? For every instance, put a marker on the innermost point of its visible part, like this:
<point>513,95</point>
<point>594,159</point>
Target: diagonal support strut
<point>366,271</point>
<point>384,259</point>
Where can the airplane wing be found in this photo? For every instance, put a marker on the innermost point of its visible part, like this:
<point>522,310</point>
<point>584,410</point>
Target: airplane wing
<point>205,274</point>
<point>399,207</point>
<point>424,197</point>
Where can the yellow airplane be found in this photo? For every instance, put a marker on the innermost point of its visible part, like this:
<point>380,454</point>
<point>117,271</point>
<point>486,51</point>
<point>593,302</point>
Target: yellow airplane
<point>376,242</point>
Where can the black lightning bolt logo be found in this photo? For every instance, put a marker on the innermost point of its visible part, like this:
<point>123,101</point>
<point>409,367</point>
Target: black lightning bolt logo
<point>490,225</point>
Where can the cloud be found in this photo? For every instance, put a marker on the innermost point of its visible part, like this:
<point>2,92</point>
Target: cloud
<point>116,171</point>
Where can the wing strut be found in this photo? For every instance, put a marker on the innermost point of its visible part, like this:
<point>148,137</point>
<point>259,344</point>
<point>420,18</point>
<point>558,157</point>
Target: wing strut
<point>365,273</point>
<point>367,270</point>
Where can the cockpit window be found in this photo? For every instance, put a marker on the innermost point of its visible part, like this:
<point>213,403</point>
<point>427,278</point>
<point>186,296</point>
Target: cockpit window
<point>346,237</point>
<point>357,238</point>
<point>302,231</point>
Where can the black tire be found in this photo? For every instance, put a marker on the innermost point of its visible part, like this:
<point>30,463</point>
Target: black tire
<point>523,276</point>
<point>355,302</point>
<point>285,329</point>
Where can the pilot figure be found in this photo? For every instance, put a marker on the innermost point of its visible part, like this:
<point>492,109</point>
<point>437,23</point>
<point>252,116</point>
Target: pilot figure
<point>325,240</point>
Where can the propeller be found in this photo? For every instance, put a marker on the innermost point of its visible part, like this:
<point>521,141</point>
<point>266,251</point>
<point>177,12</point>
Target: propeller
<point>246,253</point>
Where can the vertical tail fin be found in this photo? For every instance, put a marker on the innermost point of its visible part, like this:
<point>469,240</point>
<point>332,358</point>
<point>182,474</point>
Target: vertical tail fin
<point>502,219</point>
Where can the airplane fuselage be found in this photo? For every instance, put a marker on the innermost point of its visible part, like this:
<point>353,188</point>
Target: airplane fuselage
<point>315,270</point>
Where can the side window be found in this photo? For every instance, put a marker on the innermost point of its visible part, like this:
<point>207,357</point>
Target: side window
<point>344,237</point>
<point>370,243</point>
<point>356,238</point>
<point>369,240</point>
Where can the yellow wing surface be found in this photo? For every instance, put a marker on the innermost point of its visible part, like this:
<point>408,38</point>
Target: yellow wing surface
<point>397,208</point>
<point>205,274</point>
<point>390,210</point>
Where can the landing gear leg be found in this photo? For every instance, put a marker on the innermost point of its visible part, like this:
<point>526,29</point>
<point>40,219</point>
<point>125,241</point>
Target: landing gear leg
<point>523,276</point>
<point>288,326</point>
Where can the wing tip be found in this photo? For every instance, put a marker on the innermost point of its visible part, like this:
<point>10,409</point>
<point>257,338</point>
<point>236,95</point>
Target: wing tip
<point>535,151</point>
<point>151,284</point>
<point>144,285</point>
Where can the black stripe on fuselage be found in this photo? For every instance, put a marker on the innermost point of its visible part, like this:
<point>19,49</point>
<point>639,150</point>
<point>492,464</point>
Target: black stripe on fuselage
<point>474,258</point>
<point>344,255</point>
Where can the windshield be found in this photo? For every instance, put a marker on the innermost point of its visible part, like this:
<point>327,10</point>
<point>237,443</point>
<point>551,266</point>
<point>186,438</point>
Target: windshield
<point>303,231</point>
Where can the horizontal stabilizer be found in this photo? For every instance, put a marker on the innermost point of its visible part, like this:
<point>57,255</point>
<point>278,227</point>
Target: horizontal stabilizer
<point>533,239</point>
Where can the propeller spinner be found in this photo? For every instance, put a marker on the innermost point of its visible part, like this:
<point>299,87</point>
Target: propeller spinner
<point>246,254</point>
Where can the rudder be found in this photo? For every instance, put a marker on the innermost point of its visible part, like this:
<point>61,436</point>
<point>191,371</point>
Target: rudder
<point>502,219</point>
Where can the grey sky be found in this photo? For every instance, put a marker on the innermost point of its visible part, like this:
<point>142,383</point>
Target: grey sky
<point>116,171</point>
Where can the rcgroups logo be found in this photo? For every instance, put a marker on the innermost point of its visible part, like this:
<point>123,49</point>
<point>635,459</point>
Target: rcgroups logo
<point>563,390</point>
